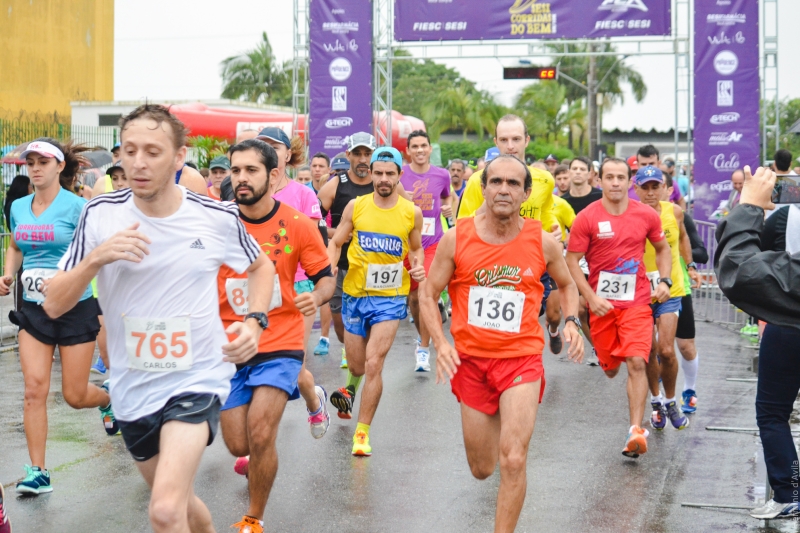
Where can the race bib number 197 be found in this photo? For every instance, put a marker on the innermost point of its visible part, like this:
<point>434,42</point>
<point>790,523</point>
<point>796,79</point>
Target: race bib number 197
<point>495,309</point>
<point>653,277</point>
<point>385,276</point>
<point>159,344</point>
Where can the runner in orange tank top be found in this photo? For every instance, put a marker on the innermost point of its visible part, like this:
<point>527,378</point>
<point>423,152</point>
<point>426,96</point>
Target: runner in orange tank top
<point>493,264</point>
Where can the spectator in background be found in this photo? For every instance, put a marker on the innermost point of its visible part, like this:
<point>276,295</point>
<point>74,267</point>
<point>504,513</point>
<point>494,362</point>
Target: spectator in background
<point>219,169</point>
<point>737,181</point>
<point>481,164</point>
<point>320,171</point>
<point>303,176</point>
<point>783,163</point>
<point>594,174</point>
<point>115,154</point>
<point>456,167</point>
<point>551,163</point>
<point>340,164</point>
<point>561,176</point>
<point>20,187</point>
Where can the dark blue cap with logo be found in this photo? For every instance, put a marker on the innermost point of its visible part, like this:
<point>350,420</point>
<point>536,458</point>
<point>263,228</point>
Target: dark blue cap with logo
<point>274,134</point>
<point>340,163</point>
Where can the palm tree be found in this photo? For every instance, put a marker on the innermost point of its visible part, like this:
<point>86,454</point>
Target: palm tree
<point>256,76</point>
<point>462,108</point>
<point>542,105</point>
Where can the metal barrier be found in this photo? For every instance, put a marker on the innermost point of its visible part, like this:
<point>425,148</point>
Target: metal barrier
<point>8,331</point>
<point>708,301</point>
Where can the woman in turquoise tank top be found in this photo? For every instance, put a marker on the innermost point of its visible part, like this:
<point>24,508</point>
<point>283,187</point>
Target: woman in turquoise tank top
<point>42,227</point>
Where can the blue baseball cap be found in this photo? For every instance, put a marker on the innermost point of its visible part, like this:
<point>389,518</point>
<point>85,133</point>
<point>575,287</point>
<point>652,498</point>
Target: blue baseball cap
<point>491,153</point>
<point>274,134</point>
<point>648,173</point>
<point>340,163</point>
<point>116,147</point>
<point>387,153</point>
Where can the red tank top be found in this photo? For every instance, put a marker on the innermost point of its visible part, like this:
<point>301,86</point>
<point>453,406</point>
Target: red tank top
<point>497,292</point>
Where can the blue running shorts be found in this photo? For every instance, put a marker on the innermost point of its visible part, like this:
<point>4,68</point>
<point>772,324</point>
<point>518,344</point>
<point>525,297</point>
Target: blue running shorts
<point>280,373</point>
<point>360,314</point>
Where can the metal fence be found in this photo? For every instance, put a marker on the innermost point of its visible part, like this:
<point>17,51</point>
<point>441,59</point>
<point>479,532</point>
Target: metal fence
<point>708,301</point>
<point>8,331</point>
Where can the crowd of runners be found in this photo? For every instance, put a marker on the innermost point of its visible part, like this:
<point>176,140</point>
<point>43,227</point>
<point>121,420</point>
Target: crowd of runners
<point>201,295</point>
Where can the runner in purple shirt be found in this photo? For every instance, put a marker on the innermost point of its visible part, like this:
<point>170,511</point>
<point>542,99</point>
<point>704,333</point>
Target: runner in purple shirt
<point>429,188</point>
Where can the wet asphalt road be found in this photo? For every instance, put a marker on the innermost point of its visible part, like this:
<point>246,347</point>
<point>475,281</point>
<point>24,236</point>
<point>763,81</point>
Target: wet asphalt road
<point>418,479</point>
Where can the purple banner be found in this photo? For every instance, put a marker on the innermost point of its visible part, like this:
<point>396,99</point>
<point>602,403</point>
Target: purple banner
<point>726,99</point>
<point>340,72</point>
<point>454,20</point>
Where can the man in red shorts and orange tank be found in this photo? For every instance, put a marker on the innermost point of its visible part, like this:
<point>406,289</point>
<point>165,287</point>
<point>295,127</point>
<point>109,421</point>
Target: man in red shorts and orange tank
<point>493,263</point>
<point>612,234</point>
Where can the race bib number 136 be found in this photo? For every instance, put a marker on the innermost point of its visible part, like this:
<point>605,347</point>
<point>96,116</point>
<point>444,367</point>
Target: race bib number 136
<point>495,309</point>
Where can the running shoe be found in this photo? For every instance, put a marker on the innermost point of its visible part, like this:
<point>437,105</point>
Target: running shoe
<point>342,400</point>
<point>423,361</point>
<point>676,416</point>
<point>99,367</point>
<point>109,422</point>
<point>344,359</point>
<point>658,419</point>
<point>242,466</point>
<point>750,330</point>
<point>249,525</point>
<point>637,443</point>
<point>322,348</point>
<point>773,509</point>
<point>443,311</point>
<point>320,421</point>
<point>556,344</point>
<point>592,360</point>
<point>5,523</point>
<point>36,481</point>
<point>361,445</point>
<point>689,401</point>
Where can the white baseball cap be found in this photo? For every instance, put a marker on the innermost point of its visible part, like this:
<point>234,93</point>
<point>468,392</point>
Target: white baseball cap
<point>43,148</point>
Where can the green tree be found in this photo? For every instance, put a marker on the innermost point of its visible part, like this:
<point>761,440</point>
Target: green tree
<point>789,116</point>
<point>416,82</point>
<point>461,108</point>
<point>257,76</point>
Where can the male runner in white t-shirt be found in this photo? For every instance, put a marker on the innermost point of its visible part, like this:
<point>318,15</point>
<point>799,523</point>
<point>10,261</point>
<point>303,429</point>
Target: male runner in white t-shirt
<point>156,249</point>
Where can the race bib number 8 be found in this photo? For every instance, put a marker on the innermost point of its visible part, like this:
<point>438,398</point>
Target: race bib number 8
<point>429,226</point>
<point>385,276</point>
<point>32,280</point>
<point>495,309</point>
<point>159,345</point>
<point>619,287</point>
<point>652,277</point>
<point>236,289</point>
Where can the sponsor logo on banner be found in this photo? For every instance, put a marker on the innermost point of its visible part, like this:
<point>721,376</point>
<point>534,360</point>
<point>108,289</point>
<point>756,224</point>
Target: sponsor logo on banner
<point>340,27</point>
<point>724,118</point>
<point>340,69</point>
<point>722,186</point>
<point>334,142</point>
<point>337,11</point>
<point>339,98</point>
<point>726,63</point>
<point>723,138</point>
<point>338,46</point>
<point>725,93</point>
<point>460,25</point>
<point>723,163</point>
<point>623,5</point>
<point>723,2</point>
<point>722,38</point>
<point>726,19</point>
<point>339,122</point>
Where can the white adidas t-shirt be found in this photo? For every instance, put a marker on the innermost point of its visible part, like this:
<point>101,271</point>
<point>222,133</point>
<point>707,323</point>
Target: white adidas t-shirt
<point>177,279</point>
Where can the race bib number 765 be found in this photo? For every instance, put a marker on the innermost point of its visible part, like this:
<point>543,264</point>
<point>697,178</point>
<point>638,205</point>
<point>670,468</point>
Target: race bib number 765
<point>159,345</point>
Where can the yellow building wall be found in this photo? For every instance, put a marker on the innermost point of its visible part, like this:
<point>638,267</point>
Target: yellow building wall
<point>53,52</point>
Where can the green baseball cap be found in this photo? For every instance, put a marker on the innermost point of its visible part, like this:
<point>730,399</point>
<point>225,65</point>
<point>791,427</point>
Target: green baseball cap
<point>220,162</point>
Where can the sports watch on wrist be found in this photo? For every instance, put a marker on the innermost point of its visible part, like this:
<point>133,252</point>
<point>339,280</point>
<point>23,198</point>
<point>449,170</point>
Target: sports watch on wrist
<point>692,265</point>
<point>668,281</point>
<point>575,320</point>
<point>261,317</point>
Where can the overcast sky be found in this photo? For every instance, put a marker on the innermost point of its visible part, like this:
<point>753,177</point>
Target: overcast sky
<point>172,50</point>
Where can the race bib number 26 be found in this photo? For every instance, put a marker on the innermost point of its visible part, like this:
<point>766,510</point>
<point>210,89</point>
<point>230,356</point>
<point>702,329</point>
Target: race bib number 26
<point>495,309</point>
<point>159,345</point>
<point>32,280</point>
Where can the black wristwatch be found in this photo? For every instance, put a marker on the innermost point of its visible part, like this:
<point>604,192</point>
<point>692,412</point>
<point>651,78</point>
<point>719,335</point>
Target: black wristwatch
<point>668,281</point>
<point>575,320</point>
<point>691,265</point>
<point>261,317</point>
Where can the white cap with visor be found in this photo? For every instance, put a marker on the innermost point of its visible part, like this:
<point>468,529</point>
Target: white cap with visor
<point>43,148</point>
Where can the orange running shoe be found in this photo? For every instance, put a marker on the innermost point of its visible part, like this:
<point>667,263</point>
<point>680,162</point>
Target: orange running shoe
<point>342,400</point>
<point>249,525</point>
<point>637,443</point>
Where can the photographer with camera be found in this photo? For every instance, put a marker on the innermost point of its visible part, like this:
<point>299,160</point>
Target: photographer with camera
<point>766,284</point>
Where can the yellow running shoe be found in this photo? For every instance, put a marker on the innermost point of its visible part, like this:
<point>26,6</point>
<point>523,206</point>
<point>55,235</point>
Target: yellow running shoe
<point>249,525</point>
<point>361,445</point>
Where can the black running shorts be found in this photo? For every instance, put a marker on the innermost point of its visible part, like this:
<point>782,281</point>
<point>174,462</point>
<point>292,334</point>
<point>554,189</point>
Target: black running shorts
<point>142,436</point>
